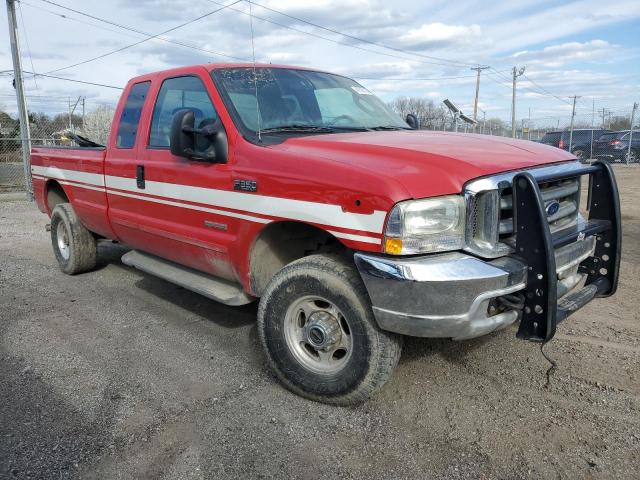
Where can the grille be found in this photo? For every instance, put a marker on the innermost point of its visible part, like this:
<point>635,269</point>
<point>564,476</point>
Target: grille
<point>490,229</point>
<point>565,192</point>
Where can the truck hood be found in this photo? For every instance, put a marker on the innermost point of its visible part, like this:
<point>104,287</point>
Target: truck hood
<point>426,163</point>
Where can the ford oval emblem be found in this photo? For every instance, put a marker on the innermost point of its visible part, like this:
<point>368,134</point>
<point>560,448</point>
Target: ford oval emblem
<point>552,207</point>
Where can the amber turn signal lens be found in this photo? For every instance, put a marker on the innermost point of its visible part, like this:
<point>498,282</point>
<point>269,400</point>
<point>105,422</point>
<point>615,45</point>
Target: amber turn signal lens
<point>393,246</point>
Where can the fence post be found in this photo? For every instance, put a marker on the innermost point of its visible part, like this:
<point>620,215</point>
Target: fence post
<point>22,103</point>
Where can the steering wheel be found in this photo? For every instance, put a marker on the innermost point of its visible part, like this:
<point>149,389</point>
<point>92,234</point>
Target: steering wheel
<point>339,118</point>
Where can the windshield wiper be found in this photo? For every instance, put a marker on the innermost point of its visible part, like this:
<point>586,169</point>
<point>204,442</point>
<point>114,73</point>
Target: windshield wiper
<point>389,127</point>
<point>298,129</point>
<point>351,129</point>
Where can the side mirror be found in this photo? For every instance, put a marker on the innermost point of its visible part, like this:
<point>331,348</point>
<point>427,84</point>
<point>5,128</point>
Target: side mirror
<point>207,144</point>
<point>412,121</point>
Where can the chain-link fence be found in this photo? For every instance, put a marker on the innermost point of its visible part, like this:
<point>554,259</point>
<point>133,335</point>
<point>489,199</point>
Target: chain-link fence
<point>603,133</point>
<point>52,121</point>
<point>596,134</point>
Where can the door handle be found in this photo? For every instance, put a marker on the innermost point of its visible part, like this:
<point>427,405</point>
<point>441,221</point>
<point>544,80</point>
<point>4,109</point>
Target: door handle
<point>140,176</point>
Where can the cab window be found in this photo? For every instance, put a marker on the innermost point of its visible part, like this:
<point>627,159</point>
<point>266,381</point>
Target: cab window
<point>177,94</point>
<point>130,117</point>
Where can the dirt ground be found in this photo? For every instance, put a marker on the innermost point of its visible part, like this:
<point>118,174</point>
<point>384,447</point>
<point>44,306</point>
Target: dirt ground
<point>116,374</point>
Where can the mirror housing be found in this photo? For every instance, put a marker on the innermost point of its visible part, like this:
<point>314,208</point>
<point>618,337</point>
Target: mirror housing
<point>184,138</point>
<point>412,121</point>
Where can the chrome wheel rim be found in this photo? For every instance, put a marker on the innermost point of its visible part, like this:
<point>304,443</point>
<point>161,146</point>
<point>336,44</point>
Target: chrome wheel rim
<point>318,335</point>
<point>63,241</point>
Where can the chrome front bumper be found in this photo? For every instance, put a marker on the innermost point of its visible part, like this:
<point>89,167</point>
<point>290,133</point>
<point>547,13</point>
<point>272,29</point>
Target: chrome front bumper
<point>448,295</point>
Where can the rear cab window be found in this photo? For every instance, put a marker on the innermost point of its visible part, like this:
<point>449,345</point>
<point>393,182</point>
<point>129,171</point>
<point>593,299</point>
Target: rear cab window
<point>551,137</point>
<point>608,137</point>
<point>130,117</point>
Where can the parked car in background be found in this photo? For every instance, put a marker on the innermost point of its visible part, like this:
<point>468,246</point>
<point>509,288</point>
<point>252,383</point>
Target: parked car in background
<point>580,142</point>
<point>614,146</point>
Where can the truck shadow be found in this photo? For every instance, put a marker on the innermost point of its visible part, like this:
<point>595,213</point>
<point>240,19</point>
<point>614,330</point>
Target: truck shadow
<point>109,253</point>
<point>236,317</point>
<point>223,315</point>
<point>228,317</point>
<point>454,351</point>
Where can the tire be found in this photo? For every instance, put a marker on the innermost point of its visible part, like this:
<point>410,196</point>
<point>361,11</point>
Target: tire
<point>325,292</point>
<point>73,245</point>
<point>631,157</point>
<point>580,154</point>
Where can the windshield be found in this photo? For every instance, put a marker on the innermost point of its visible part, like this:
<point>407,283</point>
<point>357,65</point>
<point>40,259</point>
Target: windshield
<point>609,136</point>
<point>300,101</point>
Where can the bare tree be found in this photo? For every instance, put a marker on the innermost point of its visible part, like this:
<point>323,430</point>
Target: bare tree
<point>619,123</point>
<point>97,124</point>
<point>430,116</point>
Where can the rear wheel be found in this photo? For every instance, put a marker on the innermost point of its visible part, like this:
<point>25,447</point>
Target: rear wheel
<point>317,328</point>
<point>581,154</point>
<point>631,157</point>
<point>73,245</point>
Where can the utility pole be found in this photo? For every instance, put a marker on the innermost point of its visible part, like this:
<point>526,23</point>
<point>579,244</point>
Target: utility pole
<point>72,110</point>
<point>573,116</point>
<point>633,118</point>
<point>516,74</point>
<point>593,124</point>
<point>21,100</point>
<point>83,98</point>
<point>475,102</point>
<point>529,125</point>
<point>604,112</point>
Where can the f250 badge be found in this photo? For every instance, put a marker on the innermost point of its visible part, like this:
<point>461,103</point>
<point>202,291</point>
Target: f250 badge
<point>245,185</point>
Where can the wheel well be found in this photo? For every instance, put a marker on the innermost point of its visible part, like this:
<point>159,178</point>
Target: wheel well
<point>280,244</point>
<point>55,195</point>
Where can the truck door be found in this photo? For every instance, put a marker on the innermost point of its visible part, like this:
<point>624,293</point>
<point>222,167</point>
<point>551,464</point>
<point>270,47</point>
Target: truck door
<point>175,216</point>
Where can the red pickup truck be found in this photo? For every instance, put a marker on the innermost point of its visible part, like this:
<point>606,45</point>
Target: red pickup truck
<point>303,190</point>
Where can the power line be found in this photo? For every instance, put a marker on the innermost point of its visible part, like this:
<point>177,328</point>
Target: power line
<point>542,91</point>
<point>46,75</point>
<point>74,19</point>
<point>26,39</point>
<point>315,35</point>
<point>546,91</point>
<point>359,39</point>
<point>149,36</point>
<point>415,79</point>
<point>223,6</point>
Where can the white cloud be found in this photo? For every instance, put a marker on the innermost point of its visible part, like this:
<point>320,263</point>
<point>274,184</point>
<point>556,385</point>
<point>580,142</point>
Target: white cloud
<point>543,32</point>
<point>439,35</point>
<point>568,53</point>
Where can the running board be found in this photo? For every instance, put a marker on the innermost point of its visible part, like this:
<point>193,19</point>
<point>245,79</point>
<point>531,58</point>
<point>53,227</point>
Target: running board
<point>216,289</point>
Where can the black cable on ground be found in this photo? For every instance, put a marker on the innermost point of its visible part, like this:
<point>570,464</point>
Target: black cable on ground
<point>553,363</point>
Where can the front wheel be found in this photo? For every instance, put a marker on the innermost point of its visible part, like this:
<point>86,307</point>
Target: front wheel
<point>316,326</point>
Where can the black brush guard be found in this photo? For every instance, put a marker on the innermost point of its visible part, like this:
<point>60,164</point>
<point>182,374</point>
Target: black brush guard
<point>536,245</point>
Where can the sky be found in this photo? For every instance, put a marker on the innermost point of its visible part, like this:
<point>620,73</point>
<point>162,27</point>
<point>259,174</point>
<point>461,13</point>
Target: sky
<point>420,48</point>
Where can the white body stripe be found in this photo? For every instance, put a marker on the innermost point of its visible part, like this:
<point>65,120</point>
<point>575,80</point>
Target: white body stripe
<point>73,175</point>
<point>312,212</point>
<point>190,207</point>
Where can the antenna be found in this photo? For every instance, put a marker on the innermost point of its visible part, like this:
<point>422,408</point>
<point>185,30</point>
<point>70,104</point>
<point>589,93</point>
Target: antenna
<point>255,78</point>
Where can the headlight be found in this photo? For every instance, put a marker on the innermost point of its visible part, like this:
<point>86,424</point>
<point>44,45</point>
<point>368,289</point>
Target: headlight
<point>425,226</point>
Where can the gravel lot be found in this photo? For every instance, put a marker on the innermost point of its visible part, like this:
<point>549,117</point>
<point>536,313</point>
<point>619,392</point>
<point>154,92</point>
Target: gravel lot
<point>116,374</point>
